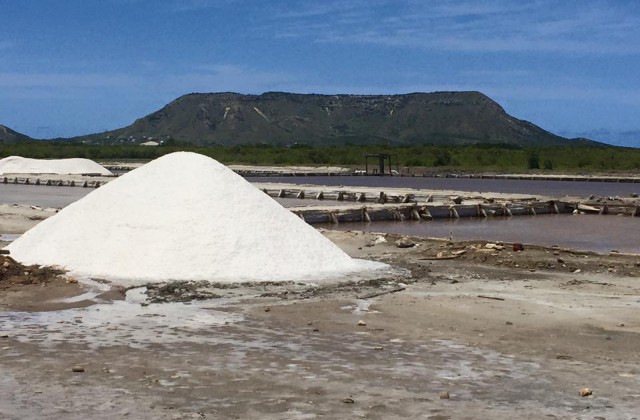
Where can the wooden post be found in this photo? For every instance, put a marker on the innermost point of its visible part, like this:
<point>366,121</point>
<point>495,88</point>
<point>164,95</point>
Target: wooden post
<point>506,210</point>
<point>365,215</point>
<point>481,212</point>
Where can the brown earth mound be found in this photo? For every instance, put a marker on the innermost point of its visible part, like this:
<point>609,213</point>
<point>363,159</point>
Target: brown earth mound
<point>13,273</point>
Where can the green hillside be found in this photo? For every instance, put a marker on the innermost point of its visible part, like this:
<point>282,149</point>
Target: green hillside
<point>275,118</point>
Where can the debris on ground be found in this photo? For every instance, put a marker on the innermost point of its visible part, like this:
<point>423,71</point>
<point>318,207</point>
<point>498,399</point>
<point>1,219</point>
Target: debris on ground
<point>13,272</point>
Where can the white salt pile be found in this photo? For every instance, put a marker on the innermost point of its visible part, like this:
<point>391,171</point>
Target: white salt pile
<point>20,165</point>
<point>183,217</point>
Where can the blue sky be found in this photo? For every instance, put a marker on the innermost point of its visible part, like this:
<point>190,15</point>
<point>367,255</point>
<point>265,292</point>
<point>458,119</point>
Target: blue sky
<point>73,67</point>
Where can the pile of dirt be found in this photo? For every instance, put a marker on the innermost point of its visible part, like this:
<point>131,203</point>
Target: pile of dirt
<point>14,273</point>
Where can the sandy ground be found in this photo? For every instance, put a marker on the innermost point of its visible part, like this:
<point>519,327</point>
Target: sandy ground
<point>507,334</point>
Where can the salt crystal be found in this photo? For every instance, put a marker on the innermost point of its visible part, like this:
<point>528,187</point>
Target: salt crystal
<point>183,216</point>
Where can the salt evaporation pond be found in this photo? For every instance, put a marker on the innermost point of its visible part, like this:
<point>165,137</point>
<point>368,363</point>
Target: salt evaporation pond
<point>595,233</point>
<point>183,216</point>
<point>550,188</point>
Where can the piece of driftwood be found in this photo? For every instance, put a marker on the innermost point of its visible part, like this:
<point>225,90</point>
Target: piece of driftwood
<point>385,292</point>
<point>490,297</point>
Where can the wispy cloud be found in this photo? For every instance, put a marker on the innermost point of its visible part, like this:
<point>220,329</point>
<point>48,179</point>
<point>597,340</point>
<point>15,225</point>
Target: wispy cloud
<point>593,27</point>
<point>225,77</point>
<point>65,80</point>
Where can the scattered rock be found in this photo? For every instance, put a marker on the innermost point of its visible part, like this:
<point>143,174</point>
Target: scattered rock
<point>405,243</point>
<point>267,309</point>
<point>379,240</point>
<point>71,281</point>
<point>361,323</point>
<point>444,395</point>
<point>620,325</point>
<point>378,348</point>
<point>77,369</point>
<point>508,323</point>
<point>585,392</point>
<point>348,400</point>
<point>494,246</point>
<point>518,247</point>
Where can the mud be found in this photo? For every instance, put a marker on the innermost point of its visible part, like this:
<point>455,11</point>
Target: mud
<point>507,334</point>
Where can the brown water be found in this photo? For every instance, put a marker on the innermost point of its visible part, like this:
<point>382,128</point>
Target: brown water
<point>585,232</point>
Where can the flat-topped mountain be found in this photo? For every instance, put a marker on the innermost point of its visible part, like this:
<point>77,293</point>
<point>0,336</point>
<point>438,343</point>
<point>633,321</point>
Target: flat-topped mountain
<point>279,118</point>
<point>8,135</point>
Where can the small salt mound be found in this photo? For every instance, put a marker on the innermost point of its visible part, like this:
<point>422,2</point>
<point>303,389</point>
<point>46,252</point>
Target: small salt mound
<point>20,165</point>
<point>183,216</point>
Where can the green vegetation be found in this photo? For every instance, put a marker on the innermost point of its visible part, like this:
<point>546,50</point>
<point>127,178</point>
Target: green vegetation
<point>477,157</point>
<point>279,119</point>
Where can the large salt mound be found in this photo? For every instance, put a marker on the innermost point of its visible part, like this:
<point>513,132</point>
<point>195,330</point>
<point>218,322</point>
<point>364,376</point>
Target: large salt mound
<point>183,216</point>
<point>20,165</point>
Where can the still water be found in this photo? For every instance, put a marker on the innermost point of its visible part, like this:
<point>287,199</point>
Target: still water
<point>587,232</point>
<point>584,232</point>
<point>553,188</point>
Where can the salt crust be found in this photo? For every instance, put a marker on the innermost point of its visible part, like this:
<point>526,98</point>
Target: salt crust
<point>183,216</point>
<point>20,165</point>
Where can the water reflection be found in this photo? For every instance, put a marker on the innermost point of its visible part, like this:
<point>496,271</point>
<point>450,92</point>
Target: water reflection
<point>586,232</point>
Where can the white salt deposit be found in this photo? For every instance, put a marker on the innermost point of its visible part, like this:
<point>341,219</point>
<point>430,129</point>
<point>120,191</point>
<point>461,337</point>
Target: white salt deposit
<point>20,165</point>
<point>183,216</point>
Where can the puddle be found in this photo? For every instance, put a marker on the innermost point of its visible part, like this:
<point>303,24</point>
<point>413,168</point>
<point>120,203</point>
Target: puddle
<point>117,323</point>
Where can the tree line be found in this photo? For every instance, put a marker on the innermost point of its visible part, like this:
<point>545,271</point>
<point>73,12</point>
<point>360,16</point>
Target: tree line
<point>472,157</point>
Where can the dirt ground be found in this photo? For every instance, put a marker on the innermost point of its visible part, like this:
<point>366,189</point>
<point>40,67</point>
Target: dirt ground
<point>506,334</point>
